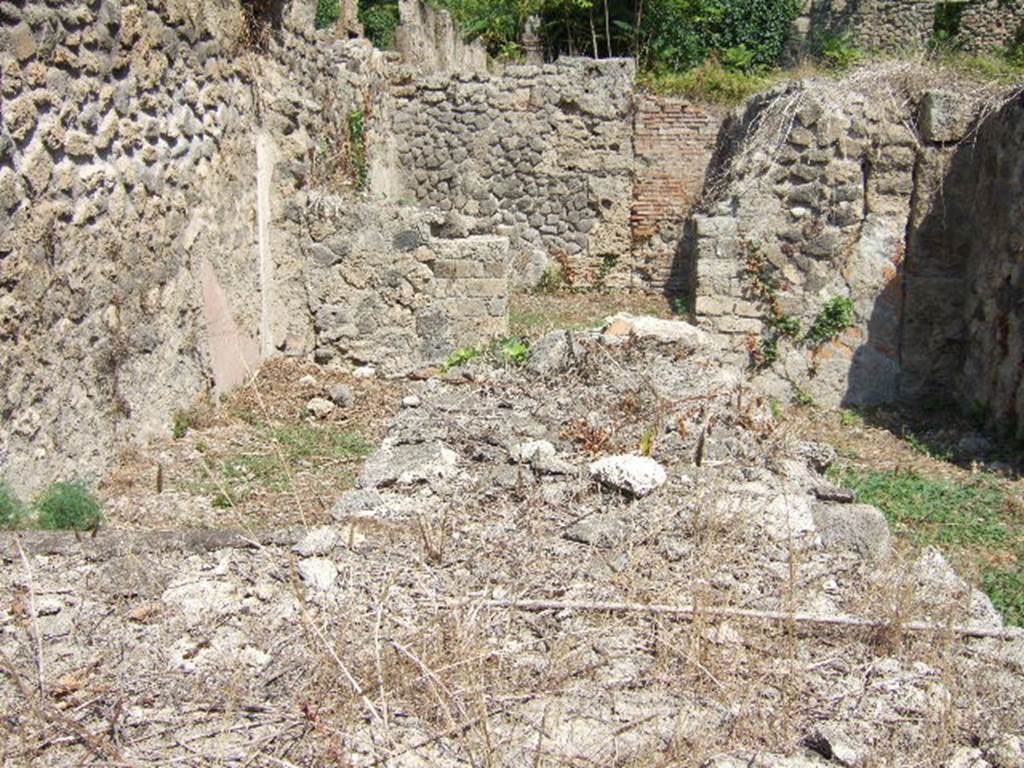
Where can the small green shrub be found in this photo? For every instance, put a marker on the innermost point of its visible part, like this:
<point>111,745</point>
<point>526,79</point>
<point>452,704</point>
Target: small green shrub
<point>711,81</point>
<point>552,281</point>
<point>680,307</point>
<point>835,317</point>
<point>513,350</point>
<point>840,52</point>
<point>12,511</point>
<point>851,419</point>
<point>786,325</point>
<point>327,12</point>
<point>379,20</point>
<point>461,357</point>
<point>68,505</point>
<point>803,398</point>
<point>183,422</point>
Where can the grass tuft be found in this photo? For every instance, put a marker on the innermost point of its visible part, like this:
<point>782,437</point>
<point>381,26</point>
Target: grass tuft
<point>69,505</point>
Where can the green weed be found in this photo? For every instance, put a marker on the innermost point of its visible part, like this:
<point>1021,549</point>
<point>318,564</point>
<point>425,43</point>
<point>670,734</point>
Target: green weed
<point>68,505</point>
<point>712,82</point>
<point>932,511</point>
<point>835,317</point>
<point>851,419</point>
<point>803,398</point>
<point>1006,590</point>
<point>461,357</point>
<point>507,350</point>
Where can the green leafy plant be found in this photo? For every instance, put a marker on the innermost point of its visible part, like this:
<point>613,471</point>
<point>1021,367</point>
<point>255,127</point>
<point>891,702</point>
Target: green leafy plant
<point>12,510</point>
<point>68,505</point>
<point>710,81</point>
<point>461,357</point>
<point>552,280</point>
<point>835,317</point>
<point>379,20</point>
<point>804,398</point>
<point>1006,589</point>
<point>513,350</point>
<point>327,12</point>
<point>680,306</point>
<point>851,419</point>
<point>839,52</point>
<point>647,441</point>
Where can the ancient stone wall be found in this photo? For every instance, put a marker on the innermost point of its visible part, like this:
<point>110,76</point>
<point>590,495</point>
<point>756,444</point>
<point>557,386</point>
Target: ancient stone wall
<point>149,149</point>
<point>896,25</point>
<point>674,140</point>
<point>430,41</point>
<point>840,193</point>
<point>816,210</point>
<point>541,154</point>
<point>964,326</point>
<point>393,287</point>
<point>991,23</point>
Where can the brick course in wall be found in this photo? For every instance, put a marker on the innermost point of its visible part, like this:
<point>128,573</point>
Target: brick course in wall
<point>673,142</point>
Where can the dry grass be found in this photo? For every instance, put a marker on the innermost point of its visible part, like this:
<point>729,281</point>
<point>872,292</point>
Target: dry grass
<point>257,460</point>
<point>534,314</point>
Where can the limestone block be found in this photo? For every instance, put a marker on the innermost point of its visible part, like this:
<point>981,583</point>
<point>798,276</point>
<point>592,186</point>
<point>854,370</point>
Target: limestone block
<point>946,116</point>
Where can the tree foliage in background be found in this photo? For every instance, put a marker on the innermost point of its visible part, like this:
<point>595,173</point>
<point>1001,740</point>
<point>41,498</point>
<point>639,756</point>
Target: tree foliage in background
<point>379,19</point>
<point>664,35</point>
<point>327,12</point>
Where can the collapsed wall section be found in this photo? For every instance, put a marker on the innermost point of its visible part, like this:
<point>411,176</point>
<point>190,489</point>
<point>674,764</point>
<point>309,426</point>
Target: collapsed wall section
<point>543,155</point>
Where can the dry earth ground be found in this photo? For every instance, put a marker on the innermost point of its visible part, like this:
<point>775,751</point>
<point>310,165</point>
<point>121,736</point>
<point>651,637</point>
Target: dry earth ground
<point>392,634</point>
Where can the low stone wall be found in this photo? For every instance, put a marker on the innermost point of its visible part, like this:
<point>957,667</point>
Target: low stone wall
<point>543,155</point>
<point>384,290</point>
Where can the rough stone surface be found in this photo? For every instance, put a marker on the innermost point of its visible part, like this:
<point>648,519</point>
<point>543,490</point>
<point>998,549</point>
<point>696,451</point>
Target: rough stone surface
<point>902,25</point>
<point>636,475</point>
<point>318,542</point>
<point>408,464</point>
<point>846,203</point>
<point>664,331</point>
<point>320,408</point>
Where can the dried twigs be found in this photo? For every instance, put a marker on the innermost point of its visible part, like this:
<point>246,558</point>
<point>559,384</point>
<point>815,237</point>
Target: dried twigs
<point>689,612</point>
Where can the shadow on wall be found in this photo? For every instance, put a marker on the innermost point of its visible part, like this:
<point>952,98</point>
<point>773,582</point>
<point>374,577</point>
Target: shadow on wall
<point>959,296</point>
<point>682,282</point>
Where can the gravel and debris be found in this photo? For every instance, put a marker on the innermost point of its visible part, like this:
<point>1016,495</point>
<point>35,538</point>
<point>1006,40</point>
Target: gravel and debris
<point>399,630</point>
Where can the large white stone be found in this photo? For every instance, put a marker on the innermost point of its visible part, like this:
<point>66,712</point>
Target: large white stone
<point>636,475</point>
<point>318,572</point>
<point>665,331</point>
